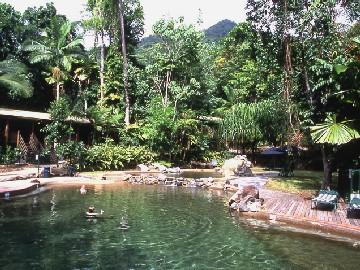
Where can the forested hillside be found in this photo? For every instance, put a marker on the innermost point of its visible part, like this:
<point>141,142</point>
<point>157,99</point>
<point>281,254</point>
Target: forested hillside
<point>287,76</point>
<point>213,34</point>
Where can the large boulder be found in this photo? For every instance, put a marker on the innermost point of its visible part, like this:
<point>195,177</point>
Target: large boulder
<point>246,199</point>
<point>239,165</point>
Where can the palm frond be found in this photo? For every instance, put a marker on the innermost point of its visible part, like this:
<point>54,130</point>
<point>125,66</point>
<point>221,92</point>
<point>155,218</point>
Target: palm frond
<point>332,132</point>
<point>35,47</point>
<point>12,66</point>
<point>37,57</point>
<point>17,85</point>
<point>64,31</point>
<point>13,77</point>
<point>73,44</point>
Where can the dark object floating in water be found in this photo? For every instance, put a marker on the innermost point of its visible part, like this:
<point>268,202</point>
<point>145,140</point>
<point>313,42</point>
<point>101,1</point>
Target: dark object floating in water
<point>124,224</point>
<point>124,227</point>
<point>92,214</point>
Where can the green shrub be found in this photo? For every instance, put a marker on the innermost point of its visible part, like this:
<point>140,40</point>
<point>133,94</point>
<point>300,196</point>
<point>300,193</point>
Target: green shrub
<point>220,157</point>
<point>108,156</point>
<point>9,155</point>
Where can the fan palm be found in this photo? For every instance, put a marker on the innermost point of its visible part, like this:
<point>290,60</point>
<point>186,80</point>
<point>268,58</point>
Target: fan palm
<point>13,78</point>
<point>59,48</point>
<point>333,132</point>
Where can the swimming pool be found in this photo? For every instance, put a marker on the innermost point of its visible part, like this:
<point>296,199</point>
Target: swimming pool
<point>169,228</point>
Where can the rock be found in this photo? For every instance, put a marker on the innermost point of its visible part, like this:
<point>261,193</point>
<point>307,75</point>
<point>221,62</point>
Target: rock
<point>143,167</point>
<point>246,191</point>
<point>162,177</point>
<point>246,199</point>
<point>238,165</point>
<point>159,167</point>
<point>174,170</point>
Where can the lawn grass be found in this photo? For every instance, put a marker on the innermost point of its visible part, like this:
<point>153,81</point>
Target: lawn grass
<point>303,182</point>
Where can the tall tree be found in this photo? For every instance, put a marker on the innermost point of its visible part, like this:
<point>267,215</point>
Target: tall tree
<point>120,22</point>
<point>11,29</point>
<point>125,62</point>
<point>59,49</point>
<point>174,65</point>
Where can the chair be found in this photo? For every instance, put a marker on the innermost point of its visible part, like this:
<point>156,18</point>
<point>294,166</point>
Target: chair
<point>325,198</point>
<point>354,204</point>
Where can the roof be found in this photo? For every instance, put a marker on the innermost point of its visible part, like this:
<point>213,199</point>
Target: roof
<point>274,151</point>
<point>36,115</point>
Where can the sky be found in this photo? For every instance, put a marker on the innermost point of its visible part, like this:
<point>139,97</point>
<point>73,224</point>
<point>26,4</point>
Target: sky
<point>211,11</point>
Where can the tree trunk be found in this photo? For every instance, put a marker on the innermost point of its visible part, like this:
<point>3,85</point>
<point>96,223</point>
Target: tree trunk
<point>327,167</point>
<point>287,64</point>
<point>343,181</point>
<point>167,84</point>
<point>307,86</point>
<point>57,91</point>
<point>125,64</point>
<point>102,65</point>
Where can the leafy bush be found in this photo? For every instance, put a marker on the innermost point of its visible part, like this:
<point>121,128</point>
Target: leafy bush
<point>220,157</point>
<point>72,151</point>
<point>108,156</point>
<point>9,155</point>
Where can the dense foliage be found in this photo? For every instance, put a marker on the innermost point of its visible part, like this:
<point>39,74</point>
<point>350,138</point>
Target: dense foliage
<point>108,156</point>
<point>271,79</point>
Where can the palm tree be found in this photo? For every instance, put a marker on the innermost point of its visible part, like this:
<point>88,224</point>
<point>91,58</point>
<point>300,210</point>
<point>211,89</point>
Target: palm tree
<point>333,133</point>
<point>59,48</point>
<point>13,78</point>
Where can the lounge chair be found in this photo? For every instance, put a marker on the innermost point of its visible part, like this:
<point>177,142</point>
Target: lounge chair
<point>354,204</point>
<point>325,198</point>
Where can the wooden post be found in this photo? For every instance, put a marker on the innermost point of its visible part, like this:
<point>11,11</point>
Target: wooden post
<point>6,133</point>
<point>18,138</point>
<point>77,135</point>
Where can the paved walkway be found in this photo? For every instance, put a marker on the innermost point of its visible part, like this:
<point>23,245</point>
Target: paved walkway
<point>23,173</point>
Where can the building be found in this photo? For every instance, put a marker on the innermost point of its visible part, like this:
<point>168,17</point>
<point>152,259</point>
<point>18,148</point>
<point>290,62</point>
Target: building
<point>23,129</point>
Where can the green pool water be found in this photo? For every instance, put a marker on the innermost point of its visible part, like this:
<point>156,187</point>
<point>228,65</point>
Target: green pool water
<point>170,228</point>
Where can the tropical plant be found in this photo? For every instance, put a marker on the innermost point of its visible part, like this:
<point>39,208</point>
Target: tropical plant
<point>331,132</point>
<point>11,28</point>
<point>108,156</point>
<point>59,49</point>
<point>59,130</point>
<point>245,125</point>
<point>174,65</point>
<point>15,79</point>
<point>9,155</point>
<point>122,22</point>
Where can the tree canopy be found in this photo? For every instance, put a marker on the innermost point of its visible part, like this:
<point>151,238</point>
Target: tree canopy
<point>274,79</point>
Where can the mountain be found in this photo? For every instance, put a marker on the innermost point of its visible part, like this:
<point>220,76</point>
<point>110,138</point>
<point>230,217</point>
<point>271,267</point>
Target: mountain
<point>148,41</point>
<point>219,30</point>
<point>213,34</point>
